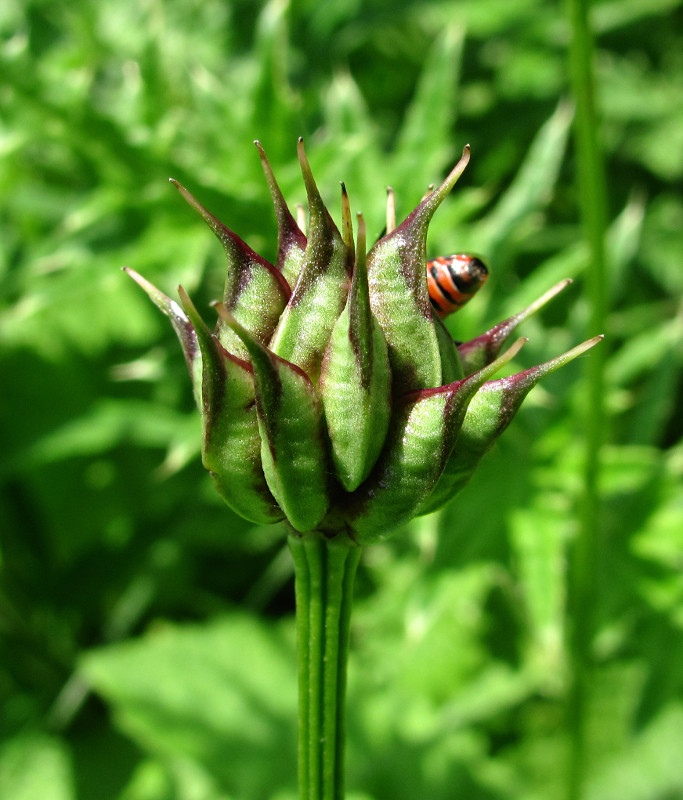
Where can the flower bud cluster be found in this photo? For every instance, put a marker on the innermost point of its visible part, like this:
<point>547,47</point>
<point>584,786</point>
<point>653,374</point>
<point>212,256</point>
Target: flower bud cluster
<point>332,396</point>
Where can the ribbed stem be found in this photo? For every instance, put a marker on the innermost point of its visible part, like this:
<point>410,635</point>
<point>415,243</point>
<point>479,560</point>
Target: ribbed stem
<point>584,575</point>
<point>324,571</point>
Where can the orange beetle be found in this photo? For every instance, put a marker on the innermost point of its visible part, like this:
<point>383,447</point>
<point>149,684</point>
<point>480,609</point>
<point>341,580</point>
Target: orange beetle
<point>453,280</point>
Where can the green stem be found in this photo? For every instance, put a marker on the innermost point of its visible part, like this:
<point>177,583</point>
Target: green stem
<point>584,574</point>
<point>324,572</point>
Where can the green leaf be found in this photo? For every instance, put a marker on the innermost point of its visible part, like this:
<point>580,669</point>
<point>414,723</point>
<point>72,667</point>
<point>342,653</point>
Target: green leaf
<point>36,767</point>
<point>533,184</point>
<point>221,695</point>
<point>436,100</point>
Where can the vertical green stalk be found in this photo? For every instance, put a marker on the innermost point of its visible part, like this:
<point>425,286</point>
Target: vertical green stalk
<point>584,575</point>
<point>324,572</point>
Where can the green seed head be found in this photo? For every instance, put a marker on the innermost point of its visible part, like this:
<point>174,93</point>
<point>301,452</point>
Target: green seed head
<point>332,397</point>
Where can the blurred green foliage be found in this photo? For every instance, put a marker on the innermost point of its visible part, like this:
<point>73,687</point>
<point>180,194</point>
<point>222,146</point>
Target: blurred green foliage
<point>146,634</point>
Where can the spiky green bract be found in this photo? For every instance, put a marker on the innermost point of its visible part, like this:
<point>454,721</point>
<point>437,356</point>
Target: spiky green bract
<point>451,366</point>
<point>488,415</point>
<point>399,297</point>
<point>255,292</point>
<point>355,381</point>
<point>291,429</point>
<point>231,444</point>
<point>291,242</point>
<point>320,292</point>
<point>181,325</point>
<point>422,433</point>
<point>483,349</point>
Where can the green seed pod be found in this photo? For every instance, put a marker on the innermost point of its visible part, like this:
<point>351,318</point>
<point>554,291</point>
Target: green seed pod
<point>331,396</point>
<point>231,444</point>
<point>355,382</point>
<point>255,292</point>
<point>423,433</point>
<point>290,425</point>
<point>399,297</point>
<point>488,415</point>
<point>321,289</point>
